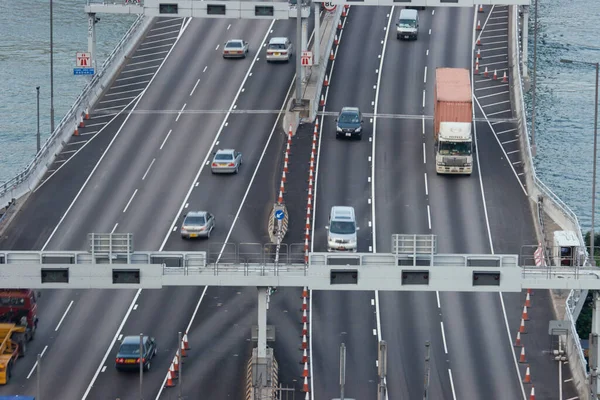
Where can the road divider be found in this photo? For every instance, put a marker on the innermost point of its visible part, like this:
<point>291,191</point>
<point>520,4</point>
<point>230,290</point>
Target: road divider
<point>30,177</point>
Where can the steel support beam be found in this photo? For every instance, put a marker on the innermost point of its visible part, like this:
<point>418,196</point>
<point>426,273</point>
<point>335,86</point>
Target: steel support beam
<point>525,40</point>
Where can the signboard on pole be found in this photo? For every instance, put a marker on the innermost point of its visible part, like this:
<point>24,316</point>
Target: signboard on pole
<point>84,64</point>
<point>306,60</point>
<point>330,7</point>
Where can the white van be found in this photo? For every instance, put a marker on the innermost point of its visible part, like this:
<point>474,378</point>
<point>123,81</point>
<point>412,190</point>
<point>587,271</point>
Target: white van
<point>408,24</point>
<point>342,229</point>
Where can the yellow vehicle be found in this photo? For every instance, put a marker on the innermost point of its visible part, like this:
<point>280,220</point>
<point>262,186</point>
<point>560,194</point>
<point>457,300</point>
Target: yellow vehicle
<point>14,345</point>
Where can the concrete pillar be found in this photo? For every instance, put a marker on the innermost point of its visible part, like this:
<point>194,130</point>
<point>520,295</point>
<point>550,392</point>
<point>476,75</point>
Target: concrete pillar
<point>92,38</point>
<point>262,322</point>
<point>317,46</point>
<point>594,350</point>
<point>525,39</point>
<point>304,42</point>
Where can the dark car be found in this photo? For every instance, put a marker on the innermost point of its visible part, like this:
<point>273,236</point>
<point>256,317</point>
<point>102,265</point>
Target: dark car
<point>349,123</point>
<point>128,357</point>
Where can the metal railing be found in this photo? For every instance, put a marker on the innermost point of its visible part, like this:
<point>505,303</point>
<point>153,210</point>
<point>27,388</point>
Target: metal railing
<point>78,106</point>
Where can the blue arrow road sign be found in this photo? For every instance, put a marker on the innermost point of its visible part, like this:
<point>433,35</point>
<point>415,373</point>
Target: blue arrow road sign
<point>279,214</point>
<point>83,71</point>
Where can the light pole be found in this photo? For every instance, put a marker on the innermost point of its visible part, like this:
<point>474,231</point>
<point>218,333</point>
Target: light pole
<point>51,72</point>
<point>597,65</point>
<point>37,88</point>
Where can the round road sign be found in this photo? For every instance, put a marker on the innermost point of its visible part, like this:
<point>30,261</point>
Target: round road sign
<point>329,6</point>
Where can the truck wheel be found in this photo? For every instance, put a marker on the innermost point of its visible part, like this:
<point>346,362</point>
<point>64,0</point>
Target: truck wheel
<point>22,347</point>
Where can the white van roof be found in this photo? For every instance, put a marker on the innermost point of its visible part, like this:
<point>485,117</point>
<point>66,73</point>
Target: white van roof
<point>342,213</point>
<point>407,13</point>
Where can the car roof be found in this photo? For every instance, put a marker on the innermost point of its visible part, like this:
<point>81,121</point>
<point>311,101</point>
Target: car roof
<point>225,151</point>
<point>342,212</point>
<point>196,213</point>
<point>234,40</point>
<point>408,12</point>
<point>350,109</point>
<point>275,40</point>
<point>132,339</point>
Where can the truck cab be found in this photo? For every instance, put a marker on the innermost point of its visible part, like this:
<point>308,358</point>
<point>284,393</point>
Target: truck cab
<point>454,150</point>
<point>19,306</point>
<point>566,248</point>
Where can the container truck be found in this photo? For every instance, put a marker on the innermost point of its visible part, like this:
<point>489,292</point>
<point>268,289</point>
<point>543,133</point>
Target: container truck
<point>452,121</point>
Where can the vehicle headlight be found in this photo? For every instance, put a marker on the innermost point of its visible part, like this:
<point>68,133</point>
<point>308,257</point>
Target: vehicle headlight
<point>357,130</point>
<point>441,164</point>
<point>338,129</point>
<point>183,230</point>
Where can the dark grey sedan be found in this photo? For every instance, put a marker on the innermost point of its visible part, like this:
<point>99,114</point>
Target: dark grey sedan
<point>235,49</point>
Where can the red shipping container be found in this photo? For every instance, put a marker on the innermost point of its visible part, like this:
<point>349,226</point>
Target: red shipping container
<point>453,97</point>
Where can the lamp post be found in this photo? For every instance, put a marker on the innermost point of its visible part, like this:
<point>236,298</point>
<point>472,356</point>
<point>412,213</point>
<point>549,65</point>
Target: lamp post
<point>597,66</point>
<point>51,71</point>
<point>37,88</point>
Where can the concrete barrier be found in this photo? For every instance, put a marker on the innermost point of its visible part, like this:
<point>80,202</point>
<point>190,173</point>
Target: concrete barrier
<point>29,178</point>
<point>553,206</point>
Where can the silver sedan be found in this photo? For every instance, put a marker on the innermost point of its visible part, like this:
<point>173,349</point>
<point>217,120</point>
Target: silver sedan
<point>226,161</point>
<point>236,48</point>
<point>197,224</point>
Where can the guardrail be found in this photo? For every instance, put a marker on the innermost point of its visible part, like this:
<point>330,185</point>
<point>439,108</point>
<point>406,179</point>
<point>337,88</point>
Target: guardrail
<point>28,179</point>
<point>553,205</point>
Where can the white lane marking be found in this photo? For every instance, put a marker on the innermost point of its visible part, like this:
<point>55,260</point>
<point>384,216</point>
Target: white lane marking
<point>103,369</point>
<point>432,12</point>
<point>187,205</point>
<point>195,86</point>
<point>179,115</point>
<point>130,200</point>
<point>112,344</point>
<point>427,52</point>
<point>424,154</point>
<point>102,157</point>
<point>452,384</point>
<point>429,216</point>
<point>372,302</point>
<point>63,316</point>
<point>228,26</point>
<point>430,31</point>
<point>36,363</point>
<point>487,221</point>
<point>444,337</point>
<point>165,141</point>
<point>129,78</point>
<point>423,124</point>
<point>374,233</point>
<point>425,75</point>
<point>573,398</point>
<point>437,296</point>
<point>426,186</point>
<point>217,48</point>
<point>114,228</point>
<point>205,68</point>
<point>135,307</point>
<point>115,100</point>
<point>158,53</point>
<point>423,98</point>
<point>148,170</point>
<point>374,332</point>
<point>568,380</point>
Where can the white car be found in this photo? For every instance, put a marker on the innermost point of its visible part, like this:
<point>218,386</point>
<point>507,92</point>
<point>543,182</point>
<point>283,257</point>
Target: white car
<point>279,49</point>
<point>236,48</point>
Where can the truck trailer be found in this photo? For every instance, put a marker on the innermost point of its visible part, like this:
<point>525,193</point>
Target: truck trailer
<point>452,121</point>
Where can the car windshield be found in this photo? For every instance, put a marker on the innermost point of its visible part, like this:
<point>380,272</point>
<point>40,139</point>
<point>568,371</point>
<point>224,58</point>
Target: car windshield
<point>342,227</point>
<point>455,148</point>
<point>276,46</point>
<point>349,118</point>
<point>237,45</point>
<point>224,157</point>
<point>195,220</point>
<point>132,349</point>
<point>407,23</point>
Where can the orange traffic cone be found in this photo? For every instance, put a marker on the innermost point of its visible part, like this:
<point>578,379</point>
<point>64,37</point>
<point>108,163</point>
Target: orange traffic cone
<point>185,339</point>
<point>283,177</point>
<point>518,340</point>
<point>322,102</point>
<point>172,371</point>
<point>81,123</point>
<point>522,358</point>
<point>495,75</point>
<point>183,352</point>
<point>176,363</point>
<point>345,11</point>
<point>305,329</point>
<point>336,41</point>
<point>305,372</point>
<point>479,42</point>
<point>505,80</point>
<point>529,291</point>
<point>169,380</point>
<point>304,357</point>
<point>304,317</point>
<point>527,299</point>
<point>304,305</point>
<point>486,73</point>
<point>480,8</point>
<point>326,81</point>
<point>476,67</point>
<point>304,343</point>
<point>307,397</point>
<point>478,54</point>
<point>76,131</point>
<point>527,376</point>
<point>87,113</point>
<point>339,24</point>
<point>522,327</point>
<point>316,124</point>
<point>532,395</point>
<point>305,386</point>
<point>331,55</point>
<point>478,25</point>
<point>525,316</point>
